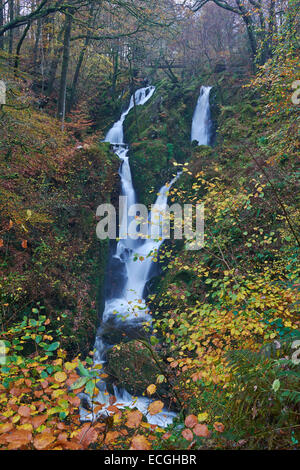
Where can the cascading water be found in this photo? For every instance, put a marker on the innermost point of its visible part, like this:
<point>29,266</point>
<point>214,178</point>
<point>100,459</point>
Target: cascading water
<point>125,307</point>
<point>201,119</point>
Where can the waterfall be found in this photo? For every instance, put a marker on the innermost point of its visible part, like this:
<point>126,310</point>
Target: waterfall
<point>201,119</point>
<point>125,308</point>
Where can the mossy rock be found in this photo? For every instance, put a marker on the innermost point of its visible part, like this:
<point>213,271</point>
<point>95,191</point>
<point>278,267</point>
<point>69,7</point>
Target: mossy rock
<point>131,366</point>
<point>149,163</point>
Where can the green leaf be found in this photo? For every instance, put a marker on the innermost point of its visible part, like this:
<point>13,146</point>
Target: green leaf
<point>276,385</point>
<point>153,340</point>
<point>90,386</point>
<point>52,347</point>
<point>83,371</point>
<point>79,383</point>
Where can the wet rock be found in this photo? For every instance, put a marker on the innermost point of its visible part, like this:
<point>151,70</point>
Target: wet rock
<point>131,366</point>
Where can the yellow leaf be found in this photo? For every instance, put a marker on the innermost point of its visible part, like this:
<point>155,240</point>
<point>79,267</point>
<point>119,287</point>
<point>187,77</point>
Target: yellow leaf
<point>151,389</point>
<point>202,417</point>
<point>60,376</point>
<point>70,365</point>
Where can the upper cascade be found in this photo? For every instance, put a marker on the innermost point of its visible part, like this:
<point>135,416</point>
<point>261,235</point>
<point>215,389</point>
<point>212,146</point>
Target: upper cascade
<point>201,118</point>
<point>116,134</point>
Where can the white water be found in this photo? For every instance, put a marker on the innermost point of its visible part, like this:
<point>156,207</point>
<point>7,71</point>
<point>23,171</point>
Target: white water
<point>201,118</point>
<point>128,308</point>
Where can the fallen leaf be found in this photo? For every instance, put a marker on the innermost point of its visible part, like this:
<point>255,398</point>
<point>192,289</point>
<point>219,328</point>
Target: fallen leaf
<point>60,376</point>
<point>18,439</point>
<point>191,421</point>
<point>155,407</point>
<point>37,421</point>
<point>87,435</point>
<point>187,434</point>
<point>151,389</point>
<point>140,443</point>
<point>72,445</point>
<point>43,440</point>
<point>6,427</point>
<point>201,430</point>
<point>111,436</point>
<point>134,419</point>
<point>24,411</point>
<point>219,427</point>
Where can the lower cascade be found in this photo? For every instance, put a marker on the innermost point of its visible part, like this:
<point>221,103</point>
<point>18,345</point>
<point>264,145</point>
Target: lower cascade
<point>131,265</point>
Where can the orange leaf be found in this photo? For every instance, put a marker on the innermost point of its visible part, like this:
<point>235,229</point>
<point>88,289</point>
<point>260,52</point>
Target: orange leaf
<point>72,445</point>
<point>24,411</point>
<point>140,443</point>
<point>1,242</point>
<point>111,436</point>
<point>6,427</point>
<point>155,407</point>
<point>87,435</point>
<point>18,439</point>
<point>134,419</point>
<point>187,434</point>
<point>201,430</point>
<point>191,421</point>
<point>219,427</point>
<point>24,244</point>
<point>37,421</point>
<point>43,440</point>
<point>75,401</point>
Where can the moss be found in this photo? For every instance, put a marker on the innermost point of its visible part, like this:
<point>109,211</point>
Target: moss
<point>249,110</point>
<point>227,112</point>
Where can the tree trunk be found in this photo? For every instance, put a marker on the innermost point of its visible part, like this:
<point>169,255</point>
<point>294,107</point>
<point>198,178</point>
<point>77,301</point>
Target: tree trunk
<point>10,33</point>
<point>61,105</point>
<point>250,29</point>
<point>55,61</point>
<point>115,72</point>
<point>18,50</point>
<point>76,75</point>
<point>36,44</point>
<point>1,23</point>
<point>80,59</point>
<point>272,22</point>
